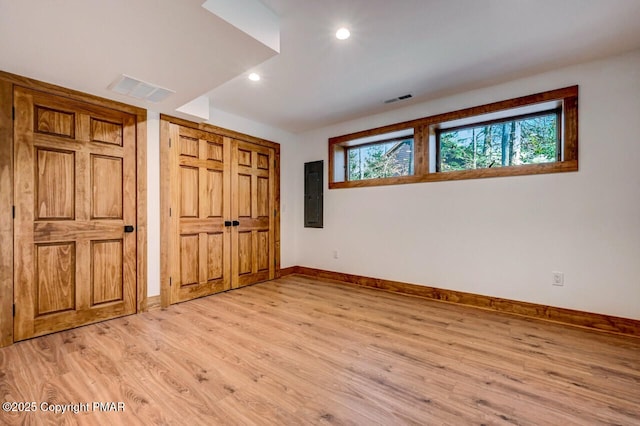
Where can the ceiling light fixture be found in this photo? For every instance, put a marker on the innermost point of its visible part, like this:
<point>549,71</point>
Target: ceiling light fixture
<point>343,34</point>
<point>254,76</point>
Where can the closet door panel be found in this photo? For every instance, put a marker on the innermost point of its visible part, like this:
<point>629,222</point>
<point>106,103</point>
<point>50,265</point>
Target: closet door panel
<point>253,241</point>
<point>200,241</point>
<point>222,211</point>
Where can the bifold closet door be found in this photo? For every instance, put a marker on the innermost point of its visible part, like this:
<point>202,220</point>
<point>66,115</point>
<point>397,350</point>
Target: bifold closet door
<point>200,261</point>
<point>75,217</point>
<point>254,210</point>
<point>222,213</point>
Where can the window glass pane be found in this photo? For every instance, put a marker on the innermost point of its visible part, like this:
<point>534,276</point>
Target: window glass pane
<point>380,160</point>
<point>527,140</point>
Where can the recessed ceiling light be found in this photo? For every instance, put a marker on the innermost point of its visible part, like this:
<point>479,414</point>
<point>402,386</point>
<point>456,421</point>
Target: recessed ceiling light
<point>254,76</point>
<point>343,34</point>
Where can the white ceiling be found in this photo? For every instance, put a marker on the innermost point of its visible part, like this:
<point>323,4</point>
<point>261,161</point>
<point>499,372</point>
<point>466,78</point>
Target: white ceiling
<point>428,48</point>
<point>86,44</point>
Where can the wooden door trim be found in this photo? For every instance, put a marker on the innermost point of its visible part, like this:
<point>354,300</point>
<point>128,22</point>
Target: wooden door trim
<point>6,213</point>
<point>233,145</point>
<point>52,89</point>
<point>141,210</point>
<point>210,128</point>
<point>165,219</point>
<point>276,224</point>
<point>7,83</point>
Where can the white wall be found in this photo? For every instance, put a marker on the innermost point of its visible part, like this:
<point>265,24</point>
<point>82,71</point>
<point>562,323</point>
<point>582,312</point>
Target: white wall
<point>153,203</point>
<point>500,237</point>
<point>503,236</point>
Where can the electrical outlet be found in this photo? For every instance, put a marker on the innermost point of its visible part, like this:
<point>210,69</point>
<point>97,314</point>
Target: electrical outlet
<point>557,278</point>
<point>335,254</point>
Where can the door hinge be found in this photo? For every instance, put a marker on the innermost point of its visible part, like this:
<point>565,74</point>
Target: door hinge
<point>169,142</point>
<point>169,211</point>
<point>13,211</point>
<point>275,213</point>
<point>13,113</point>
<point>14,309</point>
<point>170,281</point>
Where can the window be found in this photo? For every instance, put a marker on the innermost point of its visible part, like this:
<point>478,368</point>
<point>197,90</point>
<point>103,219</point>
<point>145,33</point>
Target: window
<point>528,135</point>
<point>384,158</point>
<point>529,139</point>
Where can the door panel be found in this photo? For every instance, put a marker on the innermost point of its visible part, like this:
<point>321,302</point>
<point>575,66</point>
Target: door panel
<point>215,256</point>
<point>244,195</point>
<point>189,181</point>
<point>189,147</point>
<point>55,272</point>
<point>263,250</point>
<point>55,189</point>
<point>54,122</point>
<point>106,274</point>
<point>215,151</point>
<point>75,186</point>
<point>253,240</point>
<point>106,132</point>
<point>199,170</point>
<point>263,196</point>
<point>189,259</point>
<point>214,194</point>
<point>245,252</point>
<point>106,199</point>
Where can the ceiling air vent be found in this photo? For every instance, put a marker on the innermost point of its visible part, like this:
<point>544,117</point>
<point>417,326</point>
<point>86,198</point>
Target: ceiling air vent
<point>399,98</point>
<point>139,89</point>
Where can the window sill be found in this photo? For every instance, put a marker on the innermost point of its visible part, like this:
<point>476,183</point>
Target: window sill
<point>530,169</point>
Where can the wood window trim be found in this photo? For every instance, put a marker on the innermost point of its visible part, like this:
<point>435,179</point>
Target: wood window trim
<point>568,96</point>
<point>7,83</point>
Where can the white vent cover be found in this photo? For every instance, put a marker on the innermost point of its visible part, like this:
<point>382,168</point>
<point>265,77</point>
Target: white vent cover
<point>139,89</point>
<point>399,98</point>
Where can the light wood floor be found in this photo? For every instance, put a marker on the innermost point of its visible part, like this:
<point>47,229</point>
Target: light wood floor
<point>306,351</point>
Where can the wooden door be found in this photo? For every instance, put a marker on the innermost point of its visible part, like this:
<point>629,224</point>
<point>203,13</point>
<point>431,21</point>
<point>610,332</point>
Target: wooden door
<point>222,198</point>
<point>200,242</point>
<point>253,210</point>
<point>75,191</point>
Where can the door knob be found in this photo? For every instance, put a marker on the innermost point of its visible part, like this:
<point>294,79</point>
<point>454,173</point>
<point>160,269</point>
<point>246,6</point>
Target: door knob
<point>129,228</point>
<point>227,223</point>
<point>236,223</point>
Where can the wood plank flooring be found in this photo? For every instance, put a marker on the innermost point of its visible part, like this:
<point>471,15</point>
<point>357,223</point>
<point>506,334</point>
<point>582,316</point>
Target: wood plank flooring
<point>301,350</point>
